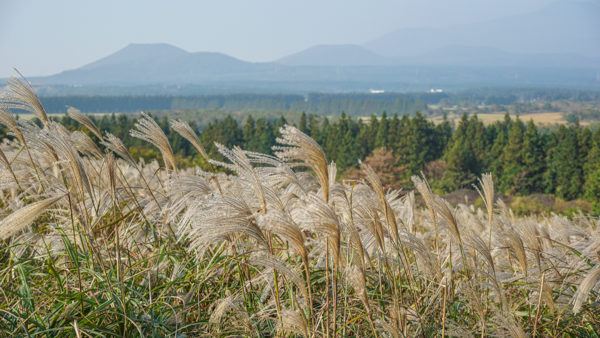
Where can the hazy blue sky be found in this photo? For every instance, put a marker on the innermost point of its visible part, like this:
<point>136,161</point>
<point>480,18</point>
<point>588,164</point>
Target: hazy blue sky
<point>45,37</point>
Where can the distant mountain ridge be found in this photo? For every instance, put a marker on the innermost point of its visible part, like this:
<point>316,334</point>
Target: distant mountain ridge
<point>154,63</point>
<point>335,55</point>
<point>550,51</point>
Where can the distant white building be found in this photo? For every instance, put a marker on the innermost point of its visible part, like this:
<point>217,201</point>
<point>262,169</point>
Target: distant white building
<point>376,91</point>
<point>436,90</point>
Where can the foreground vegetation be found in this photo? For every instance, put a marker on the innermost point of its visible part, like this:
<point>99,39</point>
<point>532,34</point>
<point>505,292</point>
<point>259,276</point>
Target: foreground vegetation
<point>95,243</point>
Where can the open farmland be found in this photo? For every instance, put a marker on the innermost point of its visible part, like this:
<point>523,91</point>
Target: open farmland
<point>542,119</point>
<point>29,116</point>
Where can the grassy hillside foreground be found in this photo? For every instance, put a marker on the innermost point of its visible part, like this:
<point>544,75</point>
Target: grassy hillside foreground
<point>94,243</point>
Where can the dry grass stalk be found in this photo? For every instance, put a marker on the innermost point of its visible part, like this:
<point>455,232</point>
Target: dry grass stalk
<point>587,284</point>
<point>20,96</point>
<point>78,116</point>
<point>293,322</point>
<point>184,129</point>
<point>22,218</point>
<point>148,130</point>
<point>297,146</point>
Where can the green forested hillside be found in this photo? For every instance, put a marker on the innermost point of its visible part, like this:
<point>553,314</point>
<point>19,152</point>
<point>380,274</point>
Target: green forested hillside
<point>524,159</point>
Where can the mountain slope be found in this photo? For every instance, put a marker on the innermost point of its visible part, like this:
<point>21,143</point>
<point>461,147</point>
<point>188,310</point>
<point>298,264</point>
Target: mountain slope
<point>153,63</point>
<point>562,27</point>
<point>334,55</point>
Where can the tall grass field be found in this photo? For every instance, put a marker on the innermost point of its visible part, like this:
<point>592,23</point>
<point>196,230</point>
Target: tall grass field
<point>94,243</point>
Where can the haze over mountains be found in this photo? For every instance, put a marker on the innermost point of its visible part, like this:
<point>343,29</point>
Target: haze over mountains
<point>561,28</point>
<point>558,45</point>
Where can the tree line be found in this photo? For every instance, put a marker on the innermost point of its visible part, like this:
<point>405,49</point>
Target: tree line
<point>524,158</point>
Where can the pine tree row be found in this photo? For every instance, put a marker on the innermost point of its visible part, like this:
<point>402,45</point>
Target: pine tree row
<point>524,159</point>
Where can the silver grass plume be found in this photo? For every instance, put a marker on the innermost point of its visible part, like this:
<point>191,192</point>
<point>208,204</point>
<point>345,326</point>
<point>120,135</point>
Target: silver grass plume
<point>148,130</point>
<point>184,129</point>
<point>231,304</point>
<point>299,147</point>
<point>275,264</point>
<point>85,145</point>
<point>22,218</point>
<point>447,213</point>
<point>283,225</point>
<point>356,278</point>
<point>83,119</point>
<point>486,191</point>
<point>4,160</point>
<point>376,185</point>
<point>325,221</point>
<point>218,219</point>
<point>20,95</point>
<point>8,120</point>
<point>586,285</point>
<point>429,197</point>
<point>508,326</point>
<point>515,244</point>
<point>58,138</point>
<point>112,176</point>
<point>292,321</point>
<point>243,168</point>
<point>115,144</point>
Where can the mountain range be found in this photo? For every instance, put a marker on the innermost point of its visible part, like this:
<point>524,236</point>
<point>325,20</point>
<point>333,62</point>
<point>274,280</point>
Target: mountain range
<point>557,45</point>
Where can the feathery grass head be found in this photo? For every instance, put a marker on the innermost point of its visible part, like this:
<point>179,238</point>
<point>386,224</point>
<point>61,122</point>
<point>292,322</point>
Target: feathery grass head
<point>184,129</point>
<point>486,191</point>
<point>298,148</point>
<point>293,322</point>
<point>388,212</point>
<point>22,218</point>
<point>275,264</point>
<point>85,145</point>
<point>20,96</point>
<point>83,119</point>
<point>8,120</point>
<point>587,284</point>
<point>118,147</point>
<point>148,130</point>
<point>240,164</point>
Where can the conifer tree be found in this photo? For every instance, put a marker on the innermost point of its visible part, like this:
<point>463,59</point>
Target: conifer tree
<point>313,127</point>
<point>462,167</point>
<point>417,146</point>
<point>393,136</point>
<point>381,138</point>
<point>248,131</point>
<point>592,173</point>
<point>373,128</point>
<point>476,137</point>
<point>443,132</point>
<point>264,137</point>
<point>303,124</point>
<point>534,161</point>
<point>512,159</point>
<point>564,175</point>
<point>499,138</point>
<point>363,138</point>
